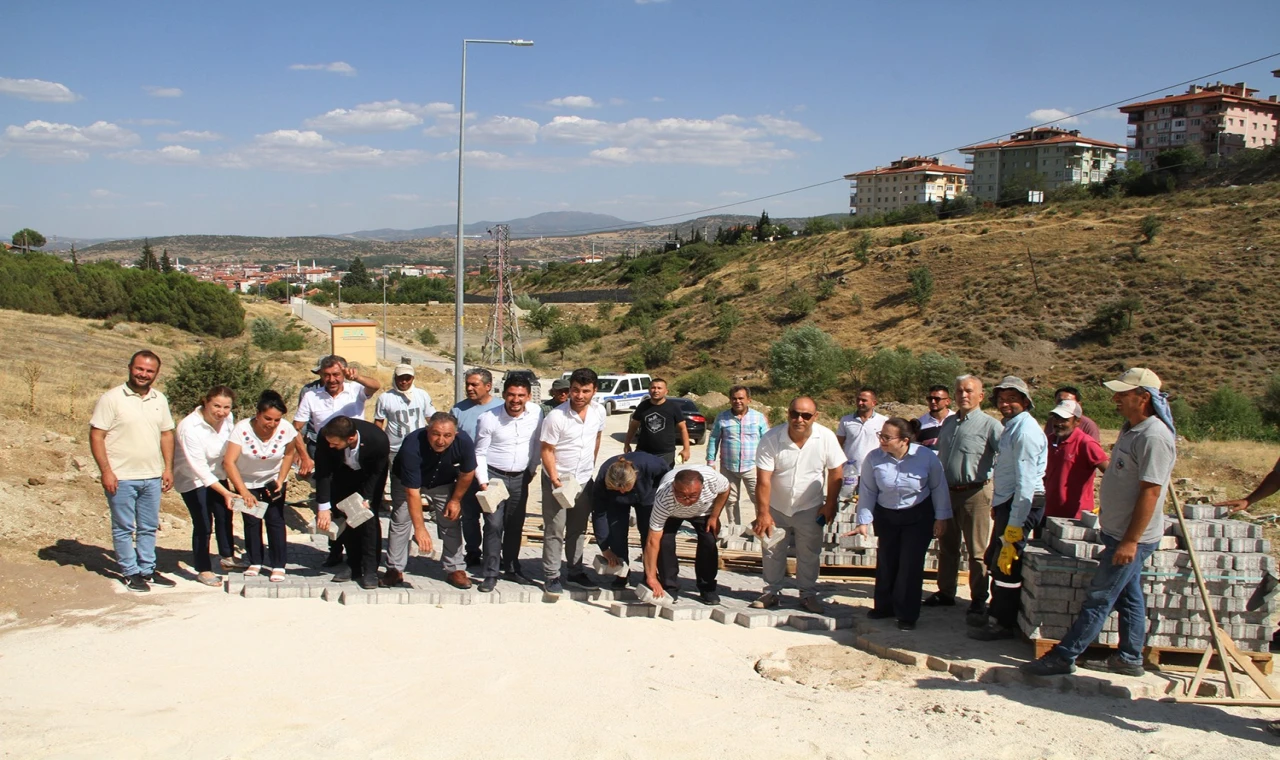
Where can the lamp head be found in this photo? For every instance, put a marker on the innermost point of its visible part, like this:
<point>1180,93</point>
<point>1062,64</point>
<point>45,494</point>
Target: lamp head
<point>521,43</point>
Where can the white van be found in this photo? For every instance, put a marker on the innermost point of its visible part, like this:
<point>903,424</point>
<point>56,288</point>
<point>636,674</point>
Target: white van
<point>621,393</point>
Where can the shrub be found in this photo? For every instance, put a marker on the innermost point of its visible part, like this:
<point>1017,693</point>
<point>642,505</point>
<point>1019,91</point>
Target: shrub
<point>1228,414</point>
<point>826,289</point>
<point>1269,402</point>
<point>526,302</point>
<point>751,284</point>
<point>268,337</point>
<point>1151,226</point>
<point>1113,318</point>
<point>427,336</point>
<point>898,374</point>
<point>604,310</point>
<point>656,353</point>
<point>800,303</point>
<point>701,381</point>
<point>806,358</point>
<point>194,374</point>
<point>727,321</point>
<point>633,363</point>
<point>921,289</point>
<point>862,252</point>
<point>910,236</point>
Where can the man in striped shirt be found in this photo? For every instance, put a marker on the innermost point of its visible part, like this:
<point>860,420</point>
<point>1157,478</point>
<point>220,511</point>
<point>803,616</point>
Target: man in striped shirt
<point>734,437</point>
<point>697,494</point>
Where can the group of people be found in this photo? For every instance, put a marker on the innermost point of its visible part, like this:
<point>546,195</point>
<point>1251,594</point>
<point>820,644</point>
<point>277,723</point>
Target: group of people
<point>955,475</point>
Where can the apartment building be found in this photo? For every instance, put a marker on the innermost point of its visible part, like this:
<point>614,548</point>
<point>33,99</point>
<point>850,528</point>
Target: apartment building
<point>1219,118</point>
<point>904,182</point>
<point>1059,156</point>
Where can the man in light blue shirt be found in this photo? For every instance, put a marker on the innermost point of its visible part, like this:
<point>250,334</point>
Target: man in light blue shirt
<point>733,440</point>
<point>1018,499</point>
<point>480,399</point>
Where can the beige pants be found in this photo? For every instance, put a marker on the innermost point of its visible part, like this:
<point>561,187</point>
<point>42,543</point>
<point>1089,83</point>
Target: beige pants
<point>971,520</point>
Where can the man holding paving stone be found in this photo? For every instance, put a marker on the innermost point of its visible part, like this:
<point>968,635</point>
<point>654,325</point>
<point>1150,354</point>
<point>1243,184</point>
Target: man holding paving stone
<point>696,494</point>
<point>437,464</point>
<point>353,459</point>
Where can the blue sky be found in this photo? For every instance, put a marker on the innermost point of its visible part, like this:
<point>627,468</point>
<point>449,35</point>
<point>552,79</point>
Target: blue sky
<point>288,118</point>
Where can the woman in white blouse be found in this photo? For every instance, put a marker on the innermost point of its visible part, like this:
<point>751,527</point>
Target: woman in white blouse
<point>258,458</point>
<point>903,492</point>
<point>197,474</point>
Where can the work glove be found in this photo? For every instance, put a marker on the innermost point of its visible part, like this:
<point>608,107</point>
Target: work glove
<point>1008,549</point>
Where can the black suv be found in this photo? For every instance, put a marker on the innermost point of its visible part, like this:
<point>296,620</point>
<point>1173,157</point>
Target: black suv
<point>535,388</point>
<point>694,420</point>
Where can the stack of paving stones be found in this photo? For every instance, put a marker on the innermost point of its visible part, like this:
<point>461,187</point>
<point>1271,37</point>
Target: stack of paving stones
<point>1233,557</point>
<point>838,549</point>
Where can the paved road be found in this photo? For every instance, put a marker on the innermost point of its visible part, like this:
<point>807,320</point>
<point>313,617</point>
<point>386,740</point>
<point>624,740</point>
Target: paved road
<point>320,318</point>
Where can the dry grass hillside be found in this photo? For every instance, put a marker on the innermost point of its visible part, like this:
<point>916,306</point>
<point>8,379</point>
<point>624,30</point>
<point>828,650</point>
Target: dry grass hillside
<point>1207,287</point>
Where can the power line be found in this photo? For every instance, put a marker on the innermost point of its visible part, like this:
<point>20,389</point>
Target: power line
<point>757,199</point>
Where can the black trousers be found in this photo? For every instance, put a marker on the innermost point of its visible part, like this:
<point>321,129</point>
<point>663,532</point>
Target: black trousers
<point>363,546</point>
<point>612,526</point>
<point>504,527</point>
<point>209,515</point>
<point>903,536</point>
<point>276,539</point>
<point>1006,588</point>
<point>705,564</point>
<point>472,535</point>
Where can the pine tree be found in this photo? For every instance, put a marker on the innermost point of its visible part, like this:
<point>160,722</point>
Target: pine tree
<point>148,258</point>
<point>166,264</point>
<point>357,276</point>
<point>764,229</point>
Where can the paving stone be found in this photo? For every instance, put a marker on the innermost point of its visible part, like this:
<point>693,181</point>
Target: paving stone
<point>684,611</point>
<point>811,623</point>
<point>905,656</point>
<point>756,619</point>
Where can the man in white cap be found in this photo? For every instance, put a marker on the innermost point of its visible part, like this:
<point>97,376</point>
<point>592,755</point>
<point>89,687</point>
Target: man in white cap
<point>1132,523</point>
<point>400,410</point>
<point>1073,460</point>
<point>1017,500</point>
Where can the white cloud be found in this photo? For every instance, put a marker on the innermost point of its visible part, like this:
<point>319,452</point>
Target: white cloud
<point>733,194</point>
<point>787,128</point>
<point>727,140</point>
<point>37,89</point>
<point>573,101</point>
<point>49,141</point>
<point>163,92</point>
<point>381,116</point>
<point>170,154</point>
<point>657,99</point>
<point>403,197</point>
<point>337,67</point>
<point>188,135</point>
<point>99,192</point>
<point>294,138</point>
<point>505,129</point>
<point>309,151</point>
<point>1043,115</point>
<point>617,101</point>
<point>649,2</point>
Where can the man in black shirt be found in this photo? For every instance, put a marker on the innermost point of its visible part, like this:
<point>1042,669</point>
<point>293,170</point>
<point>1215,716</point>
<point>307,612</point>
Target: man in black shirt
<point>660,425</point>
<point>441,461</point>
<point>625,481</point>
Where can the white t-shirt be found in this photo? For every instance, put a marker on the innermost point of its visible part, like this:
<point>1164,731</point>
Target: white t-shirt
<point>318,407</point>
<point>860,437</point>
<point>259,461</point>
<point>574,439</point>
<point>403,413</point>
<point>198,450</point>
<point>799,474</point>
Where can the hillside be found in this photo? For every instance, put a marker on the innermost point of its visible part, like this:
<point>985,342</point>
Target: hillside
<point>1207,291</point>
<point>547,223</point>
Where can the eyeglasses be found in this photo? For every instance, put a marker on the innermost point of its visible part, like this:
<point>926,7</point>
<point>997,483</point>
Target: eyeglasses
<point>939,398</point>
<point>793,414</point>
<point>887,438</point>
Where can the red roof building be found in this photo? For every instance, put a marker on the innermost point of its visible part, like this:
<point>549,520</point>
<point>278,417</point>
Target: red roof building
<point>1040,158</point>
<point>905,182</point>
<point>1219,118</point>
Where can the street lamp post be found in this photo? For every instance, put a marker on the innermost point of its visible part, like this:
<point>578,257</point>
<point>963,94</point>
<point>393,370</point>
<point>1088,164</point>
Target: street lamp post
<point>459,268</point>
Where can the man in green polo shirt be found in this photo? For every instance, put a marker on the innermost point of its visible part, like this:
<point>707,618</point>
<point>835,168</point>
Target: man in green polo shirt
<point>131,437</point>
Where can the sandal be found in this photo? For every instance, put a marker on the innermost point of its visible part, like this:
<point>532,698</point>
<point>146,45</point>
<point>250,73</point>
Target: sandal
<point>209,579</point>
<point>252,571</point>
<point>277,575</point>
<point>231,563</point>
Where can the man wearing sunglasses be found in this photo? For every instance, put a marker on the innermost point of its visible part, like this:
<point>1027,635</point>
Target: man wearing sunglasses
<point>799,467</point>
<point>931,421</point>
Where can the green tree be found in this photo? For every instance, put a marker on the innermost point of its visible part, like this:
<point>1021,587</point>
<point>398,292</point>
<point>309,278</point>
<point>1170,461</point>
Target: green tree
<point>1151,226</point>
<point>563,337</point>
<point>727,321</point>
<point>657,352</point>
<point>147,259</point>
<point>196,373</point>
<point>819,225</point>
<point>27,238</point>
<point>543,318</point>
<point>166,264</point>
<point>862,251</point>
<point>427,336</point>
<point>800,302</point>
<point>1014,190</point>
<point>921,288</point>
<point>356,277</point>
<point>279,290</point>
<point>806,358</point>
<point>764,228</point>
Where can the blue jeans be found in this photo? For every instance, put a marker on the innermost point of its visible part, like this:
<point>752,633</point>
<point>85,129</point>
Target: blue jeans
<point>135,510</point>
<point>1118,587</point>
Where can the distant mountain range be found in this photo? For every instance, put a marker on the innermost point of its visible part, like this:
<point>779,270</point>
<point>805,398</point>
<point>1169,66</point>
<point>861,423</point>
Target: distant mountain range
<point>548,223</point>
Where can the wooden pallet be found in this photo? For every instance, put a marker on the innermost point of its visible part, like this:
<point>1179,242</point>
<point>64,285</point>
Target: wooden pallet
<point>1167,659</point>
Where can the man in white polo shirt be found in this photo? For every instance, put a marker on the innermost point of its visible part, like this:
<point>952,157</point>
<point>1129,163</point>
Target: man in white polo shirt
<point>859,434</point>
<point>799,469</point>
<point>696,494</point>
<point>400,410</point>
<point>342,393</point>
<point>570,441</point>
<point>131,437</point>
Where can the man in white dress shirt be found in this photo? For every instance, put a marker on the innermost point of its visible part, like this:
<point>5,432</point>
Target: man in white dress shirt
<point>799,468</point>
<point>859,433</point>
<point>570,441</point>
<point>507,448</point>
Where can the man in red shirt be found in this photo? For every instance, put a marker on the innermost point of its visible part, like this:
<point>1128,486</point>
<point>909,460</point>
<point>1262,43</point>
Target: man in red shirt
<point>1088,426</point>
<point>1073,458</point>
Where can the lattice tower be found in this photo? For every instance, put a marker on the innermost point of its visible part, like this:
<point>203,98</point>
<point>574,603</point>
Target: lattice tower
<point>502,337</point>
